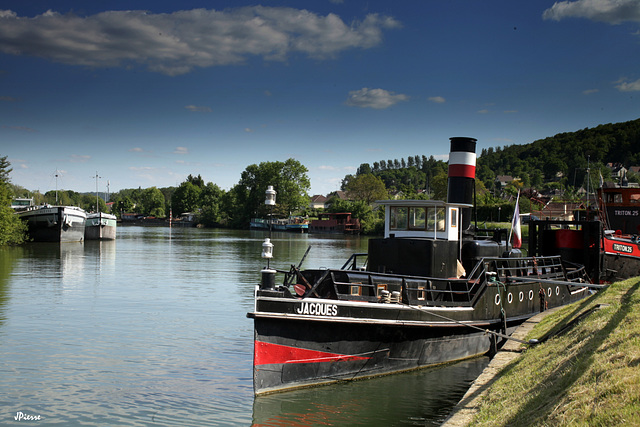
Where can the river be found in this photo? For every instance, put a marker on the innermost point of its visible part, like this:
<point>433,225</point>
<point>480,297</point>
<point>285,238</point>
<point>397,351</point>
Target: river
<point>151,329</point>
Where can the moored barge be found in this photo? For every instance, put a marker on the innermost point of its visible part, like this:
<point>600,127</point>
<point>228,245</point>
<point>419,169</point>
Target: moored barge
<point>54,223</point>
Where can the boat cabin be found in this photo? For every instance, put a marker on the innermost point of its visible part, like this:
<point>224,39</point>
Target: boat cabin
<point>422,238</point>
<point>422,218</point>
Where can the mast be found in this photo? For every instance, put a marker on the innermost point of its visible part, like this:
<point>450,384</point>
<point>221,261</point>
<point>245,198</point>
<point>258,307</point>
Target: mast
<point>97,197</point>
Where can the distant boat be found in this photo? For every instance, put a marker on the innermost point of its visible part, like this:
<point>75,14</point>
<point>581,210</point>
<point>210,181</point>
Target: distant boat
<point>100,226</point>
<point>54,223</point>
<point>294,223</point>
<point>606,240</point>
<point>340,223</point>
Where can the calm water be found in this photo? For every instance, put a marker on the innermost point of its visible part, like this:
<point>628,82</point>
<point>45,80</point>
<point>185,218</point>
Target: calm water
<point>151,329</point>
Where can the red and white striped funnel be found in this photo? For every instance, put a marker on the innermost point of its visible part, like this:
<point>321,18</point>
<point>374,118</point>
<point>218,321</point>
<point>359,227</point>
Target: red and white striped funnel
<point>462,174</point>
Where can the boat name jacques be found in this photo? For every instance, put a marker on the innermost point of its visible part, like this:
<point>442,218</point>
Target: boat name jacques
<point>317,309</point>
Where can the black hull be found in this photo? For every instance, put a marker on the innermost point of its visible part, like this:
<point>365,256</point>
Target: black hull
<point>357,351</point>
<point>55,224</point>
<point>307,342</point>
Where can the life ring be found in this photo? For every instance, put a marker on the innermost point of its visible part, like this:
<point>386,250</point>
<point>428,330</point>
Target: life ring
<point>510,298</point>
<point>549,293</point>
<point>497,299</point>
<point>557,290</point>
<point>530,294</point>
<point>521,296</point>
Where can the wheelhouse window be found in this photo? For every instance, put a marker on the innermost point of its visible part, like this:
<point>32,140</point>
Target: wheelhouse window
<point>614,197</point>
<point>417,218</point>
<point>454,218</point>
<point>398,218</point>
<point>436,219</point>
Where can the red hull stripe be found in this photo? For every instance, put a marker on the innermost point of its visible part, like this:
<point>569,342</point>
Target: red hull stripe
<point>267,353</point>
<point>464,171</point>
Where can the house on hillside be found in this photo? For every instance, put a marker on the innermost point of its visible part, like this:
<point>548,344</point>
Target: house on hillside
<point>503,180</point>
<point>318,202</point>
<point>339,194</point>
<point>618,171</point>
<point>563,211</point>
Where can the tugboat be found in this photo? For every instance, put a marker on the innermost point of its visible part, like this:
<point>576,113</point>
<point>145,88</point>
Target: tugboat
<point>606,240</point>
<point>430,292</point>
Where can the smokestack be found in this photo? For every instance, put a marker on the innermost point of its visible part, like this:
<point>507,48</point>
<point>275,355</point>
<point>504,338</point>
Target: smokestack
<point>462,175</point>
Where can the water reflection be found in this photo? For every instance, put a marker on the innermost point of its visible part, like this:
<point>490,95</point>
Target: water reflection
<point>151,329</point>
<point>8,258</point>
<point>421,398</point>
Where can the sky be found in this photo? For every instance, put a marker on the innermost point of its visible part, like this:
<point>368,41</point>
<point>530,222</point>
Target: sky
<point>145,93</point>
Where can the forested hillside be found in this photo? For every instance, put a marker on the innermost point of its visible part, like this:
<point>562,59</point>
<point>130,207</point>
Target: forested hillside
<point>560,161</point>
<point>565,157</point>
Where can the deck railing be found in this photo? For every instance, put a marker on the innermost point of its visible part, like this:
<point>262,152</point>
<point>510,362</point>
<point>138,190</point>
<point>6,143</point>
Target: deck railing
<point>354,283</point>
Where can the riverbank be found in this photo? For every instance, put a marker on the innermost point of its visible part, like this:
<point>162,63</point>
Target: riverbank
<point>584,371</point>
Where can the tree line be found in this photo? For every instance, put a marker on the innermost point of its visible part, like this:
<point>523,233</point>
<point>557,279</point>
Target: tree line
<point>558,162</point>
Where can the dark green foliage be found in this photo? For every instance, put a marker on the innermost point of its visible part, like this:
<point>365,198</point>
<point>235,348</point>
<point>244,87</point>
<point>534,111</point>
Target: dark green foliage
<point>290,181</point>
<point>12,229</point>
<point>565,157</point>
<point>371,221</point>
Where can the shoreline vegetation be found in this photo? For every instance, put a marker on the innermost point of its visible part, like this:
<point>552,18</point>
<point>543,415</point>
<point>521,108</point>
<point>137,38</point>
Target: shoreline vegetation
<point>584,372</point>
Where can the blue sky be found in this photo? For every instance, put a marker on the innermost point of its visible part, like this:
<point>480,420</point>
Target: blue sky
<point>147,92</point>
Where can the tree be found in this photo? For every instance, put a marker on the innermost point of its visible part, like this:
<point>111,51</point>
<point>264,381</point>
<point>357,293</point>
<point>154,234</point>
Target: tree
<point>289,179</point>
<point>210,202</point>
<point>12,229</point>
<point>197,181</point>
<point>186,198</point>
<point>152,203</point>
<point>439,185</point>
<point>363,169</point>
<point>367,188</point>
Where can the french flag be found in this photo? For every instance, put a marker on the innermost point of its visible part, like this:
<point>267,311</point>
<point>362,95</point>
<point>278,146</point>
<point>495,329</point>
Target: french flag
<point>515,225</point>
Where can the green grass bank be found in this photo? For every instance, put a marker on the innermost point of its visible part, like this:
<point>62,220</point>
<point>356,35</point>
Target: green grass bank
<point>584,372</point>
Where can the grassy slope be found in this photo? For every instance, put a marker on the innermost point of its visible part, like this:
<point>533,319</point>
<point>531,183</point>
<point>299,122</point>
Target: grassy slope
<point>586,375</point>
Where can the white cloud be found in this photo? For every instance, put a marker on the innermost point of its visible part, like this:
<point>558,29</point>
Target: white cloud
<point>136,150</point>
<point>181,150</point>
<point>625,86</point>
<point>198,109</point>
<point>79,158</point>
<point>590,91</point>
<point>175,43</point>
<point>374,98</point>
<point>437,99</point>
<point>248,130</point>
<point>19,128</point>
<point>483,111</point>
<point>610,11</point>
